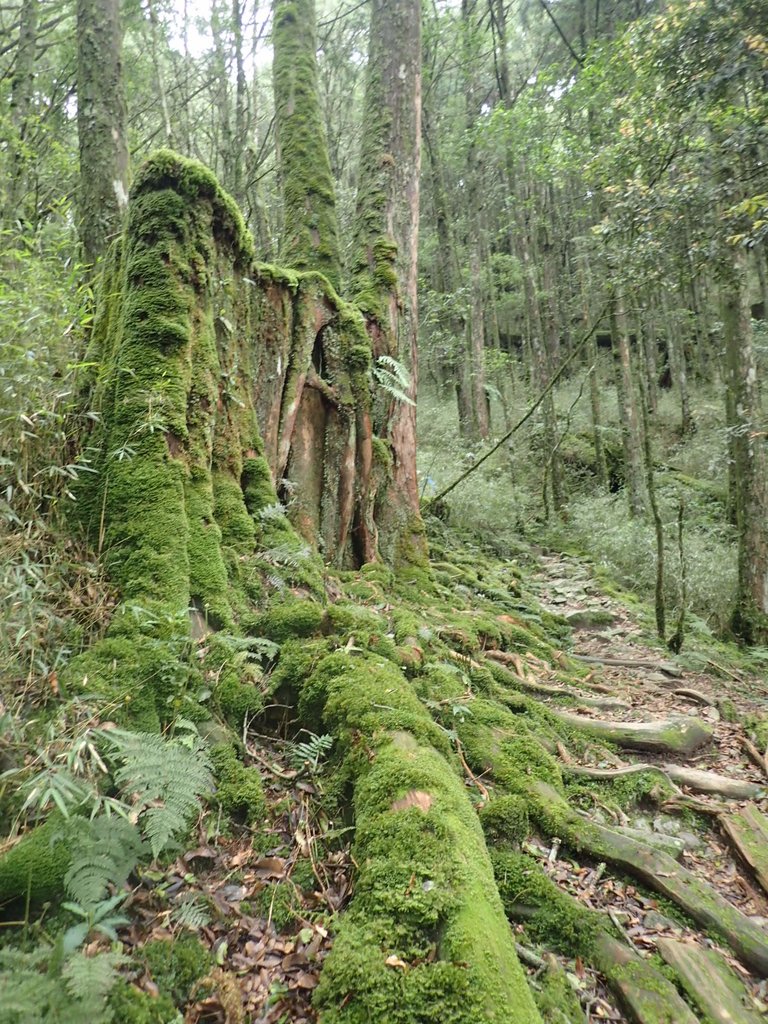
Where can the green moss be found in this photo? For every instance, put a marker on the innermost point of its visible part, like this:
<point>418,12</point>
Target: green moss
<point>35,867</point>
<point>238,789</point>
<point>176,964</point>
<point>130,1005</point>
<point>310,231</point>
<point>505,820</point>
<point>551,916</point>
<point>291,620</point>
<point>279,903</point>
<point>423,898</point>
<point>556,1000</point>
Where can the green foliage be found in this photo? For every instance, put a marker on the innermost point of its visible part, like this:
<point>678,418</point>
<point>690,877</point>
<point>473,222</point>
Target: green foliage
<point>46,985</point>
<point>307,754</point>
<point>393,377</point>
<point>166,780</point>
<point>104,851</point>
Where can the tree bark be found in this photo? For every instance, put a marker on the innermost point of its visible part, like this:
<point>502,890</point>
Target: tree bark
<point>101,125</point>
<point>310,234</point>
<point>630,423</point>
<point>22,86</point>
<point>747,444</point>
<point>385,263</point>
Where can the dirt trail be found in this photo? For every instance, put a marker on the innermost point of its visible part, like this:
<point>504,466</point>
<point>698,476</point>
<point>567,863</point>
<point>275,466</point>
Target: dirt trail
<point>658,689</point>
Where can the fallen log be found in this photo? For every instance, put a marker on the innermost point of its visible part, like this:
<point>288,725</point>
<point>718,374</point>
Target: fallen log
<point>709,982</point>
<point>680,735</point>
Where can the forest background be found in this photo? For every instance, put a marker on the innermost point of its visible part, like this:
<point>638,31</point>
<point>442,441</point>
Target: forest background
<point>593,217</point>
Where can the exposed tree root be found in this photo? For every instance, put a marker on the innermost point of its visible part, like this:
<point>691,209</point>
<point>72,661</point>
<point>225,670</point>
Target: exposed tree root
<point>693,778</point>
<point>535,686</point>
<point>658,870</point>
<point>645,994</point>
<point>665,667</point>
<point>709,982</point>
<point>748,831</point>
<point>670,736</point>
<point>425,922</point>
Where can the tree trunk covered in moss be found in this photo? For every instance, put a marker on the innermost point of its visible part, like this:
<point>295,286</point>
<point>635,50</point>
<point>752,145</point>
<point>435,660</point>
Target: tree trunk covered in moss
<point>385,262</point>
<point>310,236</point>
<point>101,125</point>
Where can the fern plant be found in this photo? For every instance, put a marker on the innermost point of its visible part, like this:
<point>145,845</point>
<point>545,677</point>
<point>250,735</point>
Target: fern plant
<point>104,852</point>
<point>394,378</point>
<point>308,754</point>
<point>48,985</point>
<point>165,779</point>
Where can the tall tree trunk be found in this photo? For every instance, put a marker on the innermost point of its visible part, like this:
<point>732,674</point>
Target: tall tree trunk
<point>748,452</point>
<point>310,232</point>
<point>22,87</point>
<point>162,94</point>
<point>385,265</point>
<point>101,118</point>
<point>448,276</point>
<point>628,416</point>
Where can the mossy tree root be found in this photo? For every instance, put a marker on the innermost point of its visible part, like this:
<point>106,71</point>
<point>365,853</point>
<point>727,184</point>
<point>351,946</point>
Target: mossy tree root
<point>425,936</point>
<point>553,917</point>
<point>656,869</point>
<point>671,736</point>
<point>693,778</point>
<point>646,996</point>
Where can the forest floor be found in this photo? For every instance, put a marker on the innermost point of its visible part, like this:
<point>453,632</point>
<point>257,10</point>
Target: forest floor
<point>273,923</point>
<point>604,627</point>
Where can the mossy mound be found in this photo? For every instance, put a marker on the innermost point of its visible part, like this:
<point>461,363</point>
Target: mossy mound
<point>239,790</point>
<point>34,868</point>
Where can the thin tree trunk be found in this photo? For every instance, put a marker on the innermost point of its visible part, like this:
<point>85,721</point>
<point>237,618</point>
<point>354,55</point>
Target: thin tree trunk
<point>22,86</point>
<point>630,424</point>
<point>750,477</point>
<point>101,118</point>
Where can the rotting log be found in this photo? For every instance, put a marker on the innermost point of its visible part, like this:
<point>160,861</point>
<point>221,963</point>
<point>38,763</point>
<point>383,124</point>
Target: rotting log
<point>694,778</point>
<point>709,982</point>
<point>748,831</point>
<point>680,735</point>
<point>656,869</point>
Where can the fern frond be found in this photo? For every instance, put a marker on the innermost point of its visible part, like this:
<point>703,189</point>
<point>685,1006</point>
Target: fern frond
<point>166,780</point>
<point>272,513</point>
<point>394,378</point>
<point>104,852</point>
<point>191,913</point>
<point>309,753</point>
<point>89,980</point>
